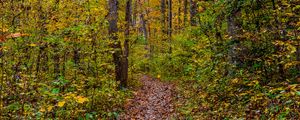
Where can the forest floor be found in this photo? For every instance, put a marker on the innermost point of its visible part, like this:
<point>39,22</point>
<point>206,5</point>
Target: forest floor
<point>153,101</point>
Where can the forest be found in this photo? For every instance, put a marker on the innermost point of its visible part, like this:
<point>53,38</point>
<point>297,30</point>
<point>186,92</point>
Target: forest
<point>149,59</point>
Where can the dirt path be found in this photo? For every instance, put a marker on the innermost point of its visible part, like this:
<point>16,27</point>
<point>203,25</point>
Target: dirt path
<point>152,102</point>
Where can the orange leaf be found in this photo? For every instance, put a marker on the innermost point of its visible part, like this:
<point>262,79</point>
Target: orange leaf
<point>15,35</point>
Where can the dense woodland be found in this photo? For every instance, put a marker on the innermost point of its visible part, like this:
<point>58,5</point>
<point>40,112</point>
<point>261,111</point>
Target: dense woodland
<point>82,59</point>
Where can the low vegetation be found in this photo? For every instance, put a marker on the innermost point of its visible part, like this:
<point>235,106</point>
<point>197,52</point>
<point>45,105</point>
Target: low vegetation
<point>228,59</point>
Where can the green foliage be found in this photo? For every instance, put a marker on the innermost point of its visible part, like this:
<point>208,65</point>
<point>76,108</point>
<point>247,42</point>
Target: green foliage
<point>241,60</point>
<point>61,68</point>
<point>253,73</point>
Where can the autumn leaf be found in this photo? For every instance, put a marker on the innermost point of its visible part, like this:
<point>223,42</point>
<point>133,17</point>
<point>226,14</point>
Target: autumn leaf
<point>42,109</point>
<point>49,108</point>
<point>69,96</point>
<point>32,45</point>
<point>15,35</point>
<point>158,76</point>
<point>61,103</point>
<point>2,38</point>
<point>81,99</point>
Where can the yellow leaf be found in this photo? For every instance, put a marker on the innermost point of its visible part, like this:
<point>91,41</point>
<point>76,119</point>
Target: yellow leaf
<point>49,108</point>
<point>235,81</point>
<point>81,99</point>
<point>290,14</point>
<point>4,30</point>
<point>226,105</point>
<point>15,35</point>
<point>158,76</point>
<point>32,45</point>
<point>42,110</point>
<point>61,103</point>
<point>69,96</point>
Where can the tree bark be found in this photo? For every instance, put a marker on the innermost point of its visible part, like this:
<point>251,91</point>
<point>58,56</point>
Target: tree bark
<point>185,12</point>
<point>193,12</point>
<point>298,55</point>
<point>179,15</point>
<point>126,44</point>
<point>134,14</point>
<point>232,29</point>
<point>113,29</point>
<point>163,15</point>
<point>170,25</point>
<point>143,26</point>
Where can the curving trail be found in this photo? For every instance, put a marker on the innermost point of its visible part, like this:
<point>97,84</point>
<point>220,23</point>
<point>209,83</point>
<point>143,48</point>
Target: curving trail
<point>153,101</point>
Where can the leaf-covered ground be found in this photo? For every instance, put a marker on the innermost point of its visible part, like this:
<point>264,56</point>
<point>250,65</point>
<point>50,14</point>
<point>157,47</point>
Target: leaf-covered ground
<point>154,100</point>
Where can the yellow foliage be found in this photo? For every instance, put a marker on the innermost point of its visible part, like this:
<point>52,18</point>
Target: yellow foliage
<point>290,14</point>
<point>158,76</point>
<point>235,81</point>
<point>81,99</point>
<point>42,109</point>
<point>32,45</point>
<point>3,29</point>
<point>49,108</point>
<point>200,9</point>
<point>291,64</point>
<point>61,103</point>
<point>68,96</point>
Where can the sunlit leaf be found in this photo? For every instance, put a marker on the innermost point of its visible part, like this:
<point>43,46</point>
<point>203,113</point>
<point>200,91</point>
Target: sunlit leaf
<point>81,99</point>
<point>61,103</point>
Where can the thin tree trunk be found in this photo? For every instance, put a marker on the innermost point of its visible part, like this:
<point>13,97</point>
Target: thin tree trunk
<point>134,16</point>
<point>170,25</point>
<point>56,60</point>
<point>193,12</point>
<point>144,28</point>
<point>147,16</point>
<point>179,15</point>
<point>232,30</point>
<point>298,55</point>
<point>163,15</point>
<point>2,66</point>
<point>126,44</point>
<point>185,12</point>
<point>42,57</point>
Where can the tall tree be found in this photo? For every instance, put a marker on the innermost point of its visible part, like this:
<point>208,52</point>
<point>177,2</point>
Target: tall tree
<point>143,26</point>
<point>193,12</point>
<point>232,30</point>
<point>170,24</point>
<point>134,13</point>
<point>126,44</point>
<point>179,14</point>
<point>113,29</point>
<point>185,12</point>
<point>163,15</point>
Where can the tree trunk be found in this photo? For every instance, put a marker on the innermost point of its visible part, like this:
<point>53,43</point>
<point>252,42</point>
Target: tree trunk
<point>143,27</point>
<point>163,15</point>
<point>179,15</point>
<point>134,16</point>
<point>298,55</point>
<point>233,28</point>
<point>126,44</point>
<point>170,25</point>
<point>113,29</point>
<point>56,60</point>
<point>193,12</point>
<point>185,12</point>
